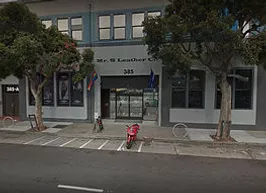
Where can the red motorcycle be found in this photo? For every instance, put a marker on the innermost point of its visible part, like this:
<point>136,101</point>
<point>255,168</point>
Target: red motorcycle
<point>132,132</point>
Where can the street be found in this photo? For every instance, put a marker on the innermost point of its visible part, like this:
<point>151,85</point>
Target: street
<point>31,169</point>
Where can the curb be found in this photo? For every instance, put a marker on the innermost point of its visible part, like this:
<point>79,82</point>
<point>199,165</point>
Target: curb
<point>163,140</point>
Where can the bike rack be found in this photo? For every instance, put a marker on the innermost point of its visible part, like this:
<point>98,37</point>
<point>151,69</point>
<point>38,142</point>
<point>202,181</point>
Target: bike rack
<point>179,124</point>
<point>6,118</point>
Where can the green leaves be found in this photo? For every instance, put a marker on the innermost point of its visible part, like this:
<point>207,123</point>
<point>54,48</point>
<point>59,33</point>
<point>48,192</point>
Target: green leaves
<point>28,48</point>
<point>207,27</point>
<point>15,18</point>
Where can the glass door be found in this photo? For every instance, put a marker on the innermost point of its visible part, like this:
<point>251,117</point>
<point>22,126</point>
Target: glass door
<point>122,108</point>
<point>136,107</point>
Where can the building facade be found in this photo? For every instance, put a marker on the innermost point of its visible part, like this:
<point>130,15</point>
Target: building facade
<point>113,30</point>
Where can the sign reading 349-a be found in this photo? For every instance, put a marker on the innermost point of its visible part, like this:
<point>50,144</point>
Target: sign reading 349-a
<point>128,71</point>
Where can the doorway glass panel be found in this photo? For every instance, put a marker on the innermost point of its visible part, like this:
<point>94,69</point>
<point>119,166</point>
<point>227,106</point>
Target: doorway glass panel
<point>150,98</point>
<point>122,106</point>
<point>136,106</point>
<point>112,104</point>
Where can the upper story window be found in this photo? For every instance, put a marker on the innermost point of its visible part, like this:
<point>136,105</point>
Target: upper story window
<point>119,26</point>
<point>115,26</point>
<point>137,19</point>
<point>104,27</point>
<point>47,23</point>
<point>76,28</point>
<point>62,25</point>
<point>137,28</point>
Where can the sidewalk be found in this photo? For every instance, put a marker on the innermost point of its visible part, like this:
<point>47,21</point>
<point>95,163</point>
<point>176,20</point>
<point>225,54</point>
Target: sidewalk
<point>165,134</point>
<point>117,130</point>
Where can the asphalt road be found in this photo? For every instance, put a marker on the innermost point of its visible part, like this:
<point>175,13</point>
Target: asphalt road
<point>41,169</point>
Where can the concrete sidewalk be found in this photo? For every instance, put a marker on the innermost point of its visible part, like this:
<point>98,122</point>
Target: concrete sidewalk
<point>117,130</point>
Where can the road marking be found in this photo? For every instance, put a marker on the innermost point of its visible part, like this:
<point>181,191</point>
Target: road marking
<point>103,144</point>
<point>86,143</point>
<point>34,140</point>
<point>51,141</point>
<point>68,142</point>
<point>140,146</point>
<point>80,188</point>
<point>120,147</point>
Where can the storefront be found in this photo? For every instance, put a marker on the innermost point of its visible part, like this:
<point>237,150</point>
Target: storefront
<point>122,90</point>
<point>131,99</point>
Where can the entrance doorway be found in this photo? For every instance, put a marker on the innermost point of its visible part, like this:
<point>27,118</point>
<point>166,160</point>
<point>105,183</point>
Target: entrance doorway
<point>10,100</point>
<point>105,103</point>
<point>129,103</point>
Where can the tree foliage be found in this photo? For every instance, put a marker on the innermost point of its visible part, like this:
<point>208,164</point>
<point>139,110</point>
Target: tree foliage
<point>213,33</point>
<point>28,49</point>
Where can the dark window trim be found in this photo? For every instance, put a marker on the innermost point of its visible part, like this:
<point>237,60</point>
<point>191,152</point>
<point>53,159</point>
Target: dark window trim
<point>32,103</point>
<point>233,90</point>
<point>187,92</point>
<point>70,84</point>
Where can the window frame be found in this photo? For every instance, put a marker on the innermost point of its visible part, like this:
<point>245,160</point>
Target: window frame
<point>119,27</point>
<point>43,20</point>
<point>146,14</point>
<point>233,90</point>
<point>136,26</point>
<point>103,28</point>
<point>68,25</point>
<point>70,91</point>
<point>30,95</point>
<point>187,91</point>
<point>76,27</point>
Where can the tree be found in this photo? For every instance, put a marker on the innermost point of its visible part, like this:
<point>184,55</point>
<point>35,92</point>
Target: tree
<point>213,33</point>
<point>30,50</point>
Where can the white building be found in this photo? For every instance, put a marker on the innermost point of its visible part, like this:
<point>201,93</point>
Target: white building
<point>113,30</point>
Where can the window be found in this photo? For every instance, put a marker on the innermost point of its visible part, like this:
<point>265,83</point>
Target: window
<point>188,89</point>
<point>137,28</point>
<point>47,93</point>
<point>154,14</point>
<point>62,25</point>
<point>114,26</point>
<point>104,27</point>
<point>76,28</point>
<point>241,90</point>
<point>47,23</point>
<point>68,92</point>
<point>119,26</point>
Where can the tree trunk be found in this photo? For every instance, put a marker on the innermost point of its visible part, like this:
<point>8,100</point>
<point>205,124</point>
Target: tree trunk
<point>37,93</point>
<point>224,124</point>
<point>38,112</point>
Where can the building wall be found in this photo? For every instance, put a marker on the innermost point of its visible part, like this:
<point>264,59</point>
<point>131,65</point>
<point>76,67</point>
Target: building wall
<point>207,115</point>
<point>78,6</point>
<point>61,112</point>
<point>261,102</point>
<point>7,80</point>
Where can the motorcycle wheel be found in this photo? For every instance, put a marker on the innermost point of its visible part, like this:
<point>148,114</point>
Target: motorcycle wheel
<point>129,144</point>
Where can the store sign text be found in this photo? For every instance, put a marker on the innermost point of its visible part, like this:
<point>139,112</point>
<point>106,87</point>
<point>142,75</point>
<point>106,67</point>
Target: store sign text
<point>125,60</point>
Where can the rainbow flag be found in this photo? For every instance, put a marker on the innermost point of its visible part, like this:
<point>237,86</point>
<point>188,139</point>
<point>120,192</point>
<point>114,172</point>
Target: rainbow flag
<point>92,79</point>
